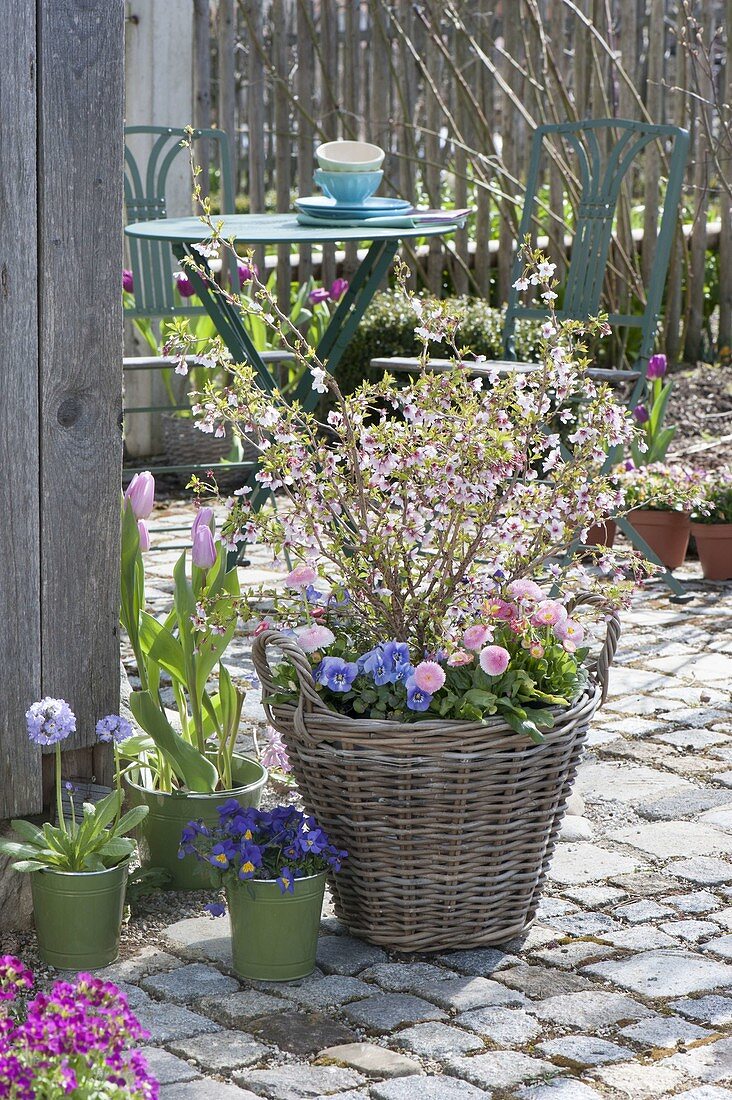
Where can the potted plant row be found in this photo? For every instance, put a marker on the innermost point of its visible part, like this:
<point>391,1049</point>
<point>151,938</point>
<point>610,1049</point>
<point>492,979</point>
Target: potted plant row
<point>660,498</point>
<point>436,687</point>
<point>79,866</point>
<point>273,865</point>
<point>183,764</point>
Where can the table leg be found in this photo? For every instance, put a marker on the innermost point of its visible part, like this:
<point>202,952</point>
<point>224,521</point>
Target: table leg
<point>348,314</point>
<point>227,319</point>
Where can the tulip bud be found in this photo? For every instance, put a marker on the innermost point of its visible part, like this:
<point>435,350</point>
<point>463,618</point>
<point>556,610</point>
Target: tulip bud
<point>144,535</point>
<point>338,289</point>
<point>640,412</point>
<point>204,518</point>
<point>141,494</point>
<point>656,367</point>
<point>203,553</point>
<point>184,285</point>
<point>127,281</point>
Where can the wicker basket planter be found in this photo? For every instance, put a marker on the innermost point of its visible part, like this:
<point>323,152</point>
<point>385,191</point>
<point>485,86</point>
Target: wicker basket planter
<point>450,826</point>
<point>186,446</point>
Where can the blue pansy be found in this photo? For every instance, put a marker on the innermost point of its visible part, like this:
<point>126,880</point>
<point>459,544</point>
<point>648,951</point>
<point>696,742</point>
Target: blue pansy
<point>416,698</point>
<point>377,667</point>
<point>215,908</point>
<point>336,674</point>
<point>286,881</point>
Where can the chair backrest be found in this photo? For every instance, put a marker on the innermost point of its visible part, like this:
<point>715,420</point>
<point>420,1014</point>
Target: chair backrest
<point>146,197</point>
<point>605,150</point>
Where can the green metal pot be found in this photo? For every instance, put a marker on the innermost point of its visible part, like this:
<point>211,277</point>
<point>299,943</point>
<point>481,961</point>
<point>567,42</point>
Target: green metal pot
<point>159,834</point>
<point>78,916</point>
<point>274,936</point>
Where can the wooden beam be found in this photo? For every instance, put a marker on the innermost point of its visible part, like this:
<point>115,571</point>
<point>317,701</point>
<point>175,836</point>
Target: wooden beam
<point>20,541</point>
<point>80,148</point>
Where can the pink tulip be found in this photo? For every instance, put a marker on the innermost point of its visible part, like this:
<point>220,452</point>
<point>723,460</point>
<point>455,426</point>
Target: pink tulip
<point>204,552</point>
<point>204,518</point>
<point>144,535</point>
<point>141,494</point>
<point>320,294</point>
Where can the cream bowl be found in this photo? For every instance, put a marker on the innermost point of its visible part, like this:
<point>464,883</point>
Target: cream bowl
<point>349,156</point>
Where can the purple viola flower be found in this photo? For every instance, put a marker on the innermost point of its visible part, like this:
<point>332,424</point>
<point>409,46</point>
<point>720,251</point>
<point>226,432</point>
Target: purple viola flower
<point>336,674</point>
<point>203,553</point>
<point>215,908</point>
<point>312,841</point>
<point>377,667</point>
<point>114,728</point>
<point>417,699</point>
<point>141,494</point>
<point>656,367</point>
<point>641,414</point>
<point>337,289</point>
<point>184,285</point>
<point>128,283</point>
<point>319,294</point>
<point>312,595</point>
<point>286,880</point>
<point>50,721</point>
<point>396,654</point>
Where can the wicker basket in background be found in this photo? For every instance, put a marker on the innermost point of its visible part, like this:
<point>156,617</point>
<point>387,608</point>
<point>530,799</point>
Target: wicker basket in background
<point>185,445</point>
<point>450,826</point>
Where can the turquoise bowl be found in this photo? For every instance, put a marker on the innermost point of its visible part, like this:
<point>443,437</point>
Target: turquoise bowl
<point>348,188</point>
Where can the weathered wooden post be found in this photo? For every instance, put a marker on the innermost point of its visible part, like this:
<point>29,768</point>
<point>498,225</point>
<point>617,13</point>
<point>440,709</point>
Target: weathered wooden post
<point>61,147</point>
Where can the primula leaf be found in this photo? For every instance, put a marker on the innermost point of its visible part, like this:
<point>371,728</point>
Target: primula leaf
<point>14,848</point>
<point>29,865</point>
<point>115,850</point>
<point>193,769</point>
<point>484,699</point>
<point>28,831</point>
<point>130,820</point>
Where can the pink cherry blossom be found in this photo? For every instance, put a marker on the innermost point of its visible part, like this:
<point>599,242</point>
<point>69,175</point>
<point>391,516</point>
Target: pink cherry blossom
<point>476,636</point>
<point>429,676</point>
<point>312,638</point>
<point>494,659</point>
<point>301,576</point>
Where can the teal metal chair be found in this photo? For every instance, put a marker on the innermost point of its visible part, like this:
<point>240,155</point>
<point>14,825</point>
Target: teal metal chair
<point>146,186</point>
<point>605,152</point>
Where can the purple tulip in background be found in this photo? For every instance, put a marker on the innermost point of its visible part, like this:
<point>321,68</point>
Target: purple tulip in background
<point>656,367</point>
<point>204,518</point>
<point>320,294</point>
<point>141,494</point>
<point>246,272</point>
<point>184,285</point>
<point>144,530</point>
<point>338,289</point>
<point>203,553</point>
<point>640,413</point>
<point>127,281</point>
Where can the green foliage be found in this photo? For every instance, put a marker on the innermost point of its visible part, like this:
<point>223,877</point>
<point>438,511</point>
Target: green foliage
<point>93,842</point>
<point>388,328</point>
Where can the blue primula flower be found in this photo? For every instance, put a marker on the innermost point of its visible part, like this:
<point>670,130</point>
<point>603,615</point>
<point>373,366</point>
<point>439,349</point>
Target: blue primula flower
<point>416,698</point>
<point>336,674</point>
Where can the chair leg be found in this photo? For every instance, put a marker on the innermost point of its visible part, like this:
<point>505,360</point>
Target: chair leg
<point>680,594</point>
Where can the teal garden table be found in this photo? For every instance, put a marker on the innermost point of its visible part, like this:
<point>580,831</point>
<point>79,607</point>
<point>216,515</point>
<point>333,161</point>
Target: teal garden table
<point>278,229</point>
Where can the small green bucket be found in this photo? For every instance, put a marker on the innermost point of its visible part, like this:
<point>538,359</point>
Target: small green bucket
<point>274,936</point>
<point>78,916</point>
<point>159,833</point>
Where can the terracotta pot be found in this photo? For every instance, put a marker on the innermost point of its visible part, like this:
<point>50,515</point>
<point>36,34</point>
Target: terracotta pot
<point>714,543</point>
<point>602,534</point>
<point>667,533</point>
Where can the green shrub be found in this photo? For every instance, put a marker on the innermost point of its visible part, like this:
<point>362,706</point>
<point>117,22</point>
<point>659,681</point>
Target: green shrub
<point>388,326</point>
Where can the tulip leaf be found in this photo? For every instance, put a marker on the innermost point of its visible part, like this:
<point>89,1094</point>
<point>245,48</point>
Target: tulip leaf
<point>194,770</point>
<point>159,644</point>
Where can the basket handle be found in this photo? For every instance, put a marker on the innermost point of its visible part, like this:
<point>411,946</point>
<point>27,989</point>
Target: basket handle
<point>600,669</point>
<point>309,699</point>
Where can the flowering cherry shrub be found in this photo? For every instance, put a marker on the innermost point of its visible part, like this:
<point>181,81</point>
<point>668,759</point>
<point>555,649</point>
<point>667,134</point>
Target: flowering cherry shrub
<point>72,1041</point>
<point>279,845</point>
<point>415,510</point>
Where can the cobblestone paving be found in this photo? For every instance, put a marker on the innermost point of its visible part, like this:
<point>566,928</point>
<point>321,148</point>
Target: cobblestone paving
<point>623,986</point>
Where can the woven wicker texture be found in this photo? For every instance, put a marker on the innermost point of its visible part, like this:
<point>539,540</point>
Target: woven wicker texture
<point>185,445</point>
<point>450,826</point>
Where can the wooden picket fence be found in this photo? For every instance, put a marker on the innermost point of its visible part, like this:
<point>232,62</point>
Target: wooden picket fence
<point>453,90</point>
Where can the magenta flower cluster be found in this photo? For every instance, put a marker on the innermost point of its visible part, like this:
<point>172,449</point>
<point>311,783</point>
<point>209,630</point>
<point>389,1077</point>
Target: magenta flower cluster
<point>322,294</point>
<point>75,1040</point>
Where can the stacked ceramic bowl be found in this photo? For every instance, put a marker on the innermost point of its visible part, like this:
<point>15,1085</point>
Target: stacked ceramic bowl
<point>350,171</point>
